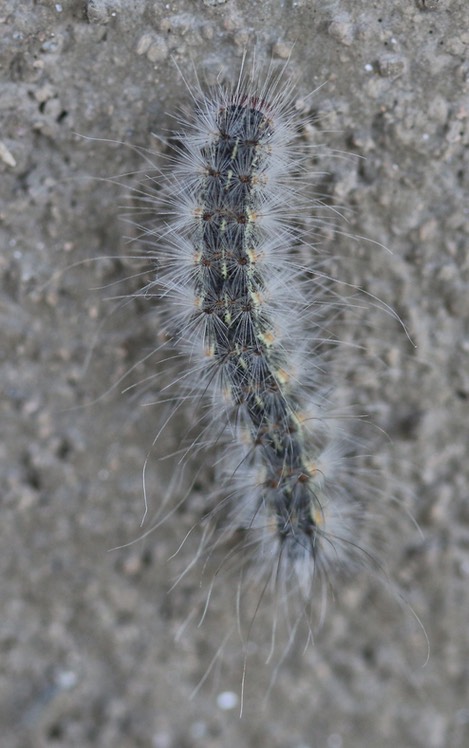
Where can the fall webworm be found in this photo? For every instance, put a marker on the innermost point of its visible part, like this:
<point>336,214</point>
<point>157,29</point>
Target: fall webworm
<point>255,322</point>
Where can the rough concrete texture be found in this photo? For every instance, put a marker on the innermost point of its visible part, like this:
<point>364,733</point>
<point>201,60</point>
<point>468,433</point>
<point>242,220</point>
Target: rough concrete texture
<point>90,652</point>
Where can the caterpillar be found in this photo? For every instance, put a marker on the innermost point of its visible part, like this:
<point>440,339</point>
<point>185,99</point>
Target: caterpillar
<point>253,323</point>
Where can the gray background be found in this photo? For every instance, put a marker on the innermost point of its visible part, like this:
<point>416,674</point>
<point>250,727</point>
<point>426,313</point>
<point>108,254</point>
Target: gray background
<point>90,642</point>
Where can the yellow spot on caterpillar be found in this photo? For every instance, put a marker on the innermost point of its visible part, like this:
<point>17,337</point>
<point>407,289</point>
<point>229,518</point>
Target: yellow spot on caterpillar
<point>272,525</point>
<point>282,376</point>
<point>199,301</point>
<point>209,351</point>
<point>251,255</point>
<point>268,338</point>
<point>260,402</point>
<point>256,298</point>
<point>303,416</point>
<point>311,469</point>
<point>317,516</point>
<point>245,437</point>
<point>257,179</point>
<point>227,393</point>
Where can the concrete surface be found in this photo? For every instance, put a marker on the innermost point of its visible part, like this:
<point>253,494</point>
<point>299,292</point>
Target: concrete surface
<point>92,652</point>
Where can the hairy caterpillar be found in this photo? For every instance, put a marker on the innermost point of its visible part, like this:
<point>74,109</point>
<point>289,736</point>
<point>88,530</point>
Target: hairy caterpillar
<point>270,485</point>
<point>254,324</point>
